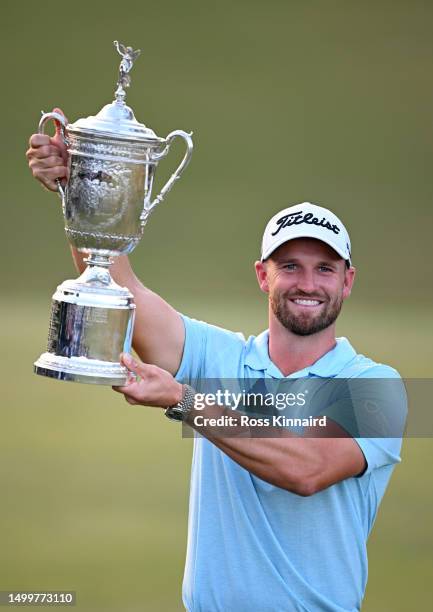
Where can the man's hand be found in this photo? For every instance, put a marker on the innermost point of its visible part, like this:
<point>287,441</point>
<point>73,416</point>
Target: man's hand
<point>48,157</point>
<point>154,386</point>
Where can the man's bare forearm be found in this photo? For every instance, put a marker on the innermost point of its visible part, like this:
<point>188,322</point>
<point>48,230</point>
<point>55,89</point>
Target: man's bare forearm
<point>301,465</point>
<point>158,330</point>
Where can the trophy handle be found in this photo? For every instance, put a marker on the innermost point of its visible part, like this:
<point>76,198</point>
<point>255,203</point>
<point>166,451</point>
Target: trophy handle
<point>176,175</point>
<point>41,130</point>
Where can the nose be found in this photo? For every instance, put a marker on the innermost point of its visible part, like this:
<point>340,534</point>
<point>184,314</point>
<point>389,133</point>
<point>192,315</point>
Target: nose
<point>306,281</point>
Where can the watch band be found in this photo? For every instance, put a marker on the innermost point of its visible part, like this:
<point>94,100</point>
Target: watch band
<point>180,411</point>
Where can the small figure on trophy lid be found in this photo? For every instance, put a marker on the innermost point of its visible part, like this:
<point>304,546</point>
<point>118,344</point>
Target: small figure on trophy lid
<point>128,58</point>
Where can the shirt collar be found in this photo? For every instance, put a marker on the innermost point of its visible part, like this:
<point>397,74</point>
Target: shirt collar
<point>327,366</point>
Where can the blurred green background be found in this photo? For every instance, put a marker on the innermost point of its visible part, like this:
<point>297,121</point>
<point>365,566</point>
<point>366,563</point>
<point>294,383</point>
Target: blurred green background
<point>289,101</point>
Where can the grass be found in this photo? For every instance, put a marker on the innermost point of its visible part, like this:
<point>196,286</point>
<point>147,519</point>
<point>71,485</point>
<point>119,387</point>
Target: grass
<point>94,491</point>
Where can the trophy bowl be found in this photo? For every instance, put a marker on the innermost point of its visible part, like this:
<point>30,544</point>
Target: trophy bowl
<point>106,203</point>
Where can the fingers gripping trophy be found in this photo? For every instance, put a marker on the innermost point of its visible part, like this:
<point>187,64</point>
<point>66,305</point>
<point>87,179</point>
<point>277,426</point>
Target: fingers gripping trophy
<point>106,203</point>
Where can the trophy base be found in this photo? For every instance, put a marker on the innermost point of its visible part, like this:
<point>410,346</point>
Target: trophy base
<point>91,324</point>
<point>81,370</point>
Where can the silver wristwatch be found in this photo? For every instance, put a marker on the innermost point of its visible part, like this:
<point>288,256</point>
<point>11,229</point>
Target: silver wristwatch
<point>180,411</point>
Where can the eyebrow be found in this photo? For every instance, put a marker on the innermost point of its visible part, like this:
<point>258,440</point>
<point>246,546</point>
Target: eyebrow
<point>327,262</point>
<point>323,262</point>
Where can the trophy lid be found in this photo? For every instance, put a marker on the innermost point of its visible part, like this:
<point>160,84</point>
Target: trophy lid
<point>117,120</point>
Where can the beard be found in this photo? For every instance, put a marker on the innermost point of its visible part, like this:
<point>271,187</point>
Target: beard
<point>305,324</point>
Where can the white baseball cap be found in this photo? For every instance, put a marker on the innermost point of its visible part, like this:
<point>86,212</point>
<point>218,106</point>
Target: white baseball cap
<point>306,221</point>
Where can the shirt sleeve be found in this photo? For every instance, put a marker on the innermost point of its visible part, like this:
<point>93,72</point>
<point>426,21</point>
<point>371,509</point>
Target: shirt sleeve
<point>209,352</point>
<point>190,368</point>
<point>388,412</point>
<point>379,452</point>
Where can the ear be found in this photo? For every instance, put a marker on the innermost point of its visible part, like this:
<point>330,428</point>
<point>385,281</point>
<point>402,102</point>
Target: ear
<point>349,279</point>
<point>262,276</point>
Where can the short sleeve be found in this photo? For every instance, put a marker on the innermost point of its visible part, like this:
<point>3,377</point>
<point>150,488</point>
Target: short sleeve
<point>190,369</point>
<point>390,404</point>
<point>379,452</point>
<point>209,352</point>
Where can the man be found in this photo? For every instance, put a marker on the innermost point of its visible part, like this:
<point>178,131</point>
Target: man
<point>277,523</point>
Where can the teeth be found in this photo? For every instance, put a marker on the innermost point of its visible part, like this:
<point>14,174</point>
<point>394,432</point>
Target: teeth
<point>307,302</point>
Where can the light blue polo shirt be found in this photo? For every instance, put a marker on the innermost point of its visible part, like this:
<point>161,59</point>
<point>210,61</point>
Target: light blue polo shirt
<point>254,547</point>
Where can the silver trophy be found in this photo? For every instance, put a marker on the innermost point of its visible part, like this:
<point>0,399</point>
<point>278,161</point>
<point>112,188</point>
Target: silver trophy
<point>106,204</point>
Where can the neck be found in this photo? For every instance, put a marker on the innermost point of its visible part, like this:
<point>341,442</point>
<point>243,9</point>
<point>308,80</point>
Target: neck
<point>291,352</point>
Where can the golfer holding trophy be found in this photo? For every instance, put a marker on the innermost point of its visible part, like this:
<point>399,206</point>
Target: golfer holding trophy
<point>106,202</point>
<point>277,523</point>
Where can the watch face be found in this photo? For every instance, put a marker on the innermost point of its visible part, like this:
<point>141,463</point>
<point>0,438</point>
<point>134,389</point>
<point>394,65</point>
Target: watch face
<point>174,413</point>
<point>179,411</point>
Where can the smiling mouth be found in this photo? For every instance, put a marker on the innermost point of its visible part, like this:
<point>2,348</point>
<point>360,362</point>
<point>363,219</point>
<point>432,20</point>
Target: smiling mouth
<point>304,302</point>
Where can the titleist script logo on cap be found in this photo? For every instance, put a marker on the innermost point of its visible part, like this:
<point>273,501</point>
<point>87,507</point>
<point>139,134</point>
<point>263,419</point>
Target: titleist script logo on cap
<point>298,217</point>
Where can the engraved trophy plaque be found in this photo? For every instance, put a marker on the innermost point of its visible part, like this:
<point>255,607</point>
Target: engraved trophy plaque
<point>106,203</point>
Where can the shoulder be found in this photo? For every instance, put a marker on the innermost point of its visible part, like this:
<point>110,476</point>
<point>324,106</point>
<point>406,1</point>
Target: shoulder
<point>209,350</point>
<point>200,330</point>
<point>378,399</point>
<point>365,367</point>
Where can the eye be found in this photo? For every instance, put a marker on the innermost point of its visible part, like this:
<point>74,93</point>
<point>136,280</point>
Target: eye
<point>290,266</point>
<point>325,269</point>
